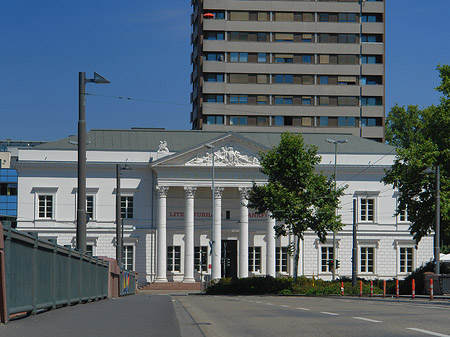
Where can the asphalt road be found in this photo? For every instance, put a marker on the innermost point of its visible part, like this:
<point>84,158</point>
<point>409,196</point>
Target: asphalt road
<point>140,315</point>
<point>224,316</point>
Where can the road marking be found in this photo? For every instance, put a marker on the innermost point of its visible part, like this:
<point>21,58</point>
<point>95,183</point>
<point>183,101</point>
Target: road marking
<point>258,302</point>
<point>305,309</point>
<point>284,305</point>
<point>368,319</point>
<point>270,304</point>
<point>329,313</point>
<point>428,332</point>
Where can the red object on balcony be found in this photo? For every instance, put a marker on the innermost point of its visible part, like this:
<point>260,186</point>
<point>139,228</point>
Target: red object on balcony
<point>208,16</point>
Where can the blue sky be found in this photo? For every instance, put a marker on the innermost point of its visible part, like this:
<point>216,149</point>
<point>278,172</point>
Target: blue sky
<point>143,48</point>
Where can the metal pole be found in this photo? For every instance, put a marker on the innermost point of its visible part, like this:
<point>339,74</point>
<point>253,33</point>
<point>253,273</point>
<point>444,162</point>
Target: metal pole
<point>334,231</point>
<point>437,244</point>
<point>118,218</point>
<point>213,250</point>
<point>354,248</point>
<point>81,203</point>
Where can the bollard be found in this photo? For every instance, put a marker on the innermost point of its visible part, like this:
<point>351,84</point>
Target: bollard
<point>384,288</point>
<point>371,288</point>
<point>360,288</point>
<point>397,289</point>
<point>342,288</point>
<point>431,289</point>
<point>413,288</point>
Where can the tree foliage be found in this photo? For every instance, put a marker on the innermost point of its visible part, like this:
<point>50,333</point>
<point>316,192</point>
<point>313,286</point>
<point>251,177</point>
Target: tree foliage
<point>295,193</point>
<point>423,140</point>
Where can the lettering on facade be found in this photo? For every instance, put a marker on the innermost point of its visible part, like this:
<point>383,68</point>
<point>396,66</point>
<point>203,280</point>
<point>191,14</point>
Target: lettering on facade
<point>208,215</point>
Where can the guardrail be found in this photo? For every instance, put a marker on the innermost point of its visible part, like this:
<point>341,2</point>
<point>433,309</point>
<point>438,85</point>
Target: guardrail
<point>38,274</point>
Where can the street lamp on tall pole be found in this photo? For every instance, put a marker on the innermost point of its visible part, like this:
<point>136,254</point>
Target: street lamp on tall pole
<point>213,266</point>
<point>81,202</point>
<point>437,229</point>
<point>119,220</point>
<point>335,142</point>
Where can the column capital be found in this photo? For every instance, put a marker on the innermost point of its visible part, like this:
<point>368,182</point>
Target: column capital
<point>243,191</point>
<point>190,191</point>
<point>162,191</point>
<point>218,192</point>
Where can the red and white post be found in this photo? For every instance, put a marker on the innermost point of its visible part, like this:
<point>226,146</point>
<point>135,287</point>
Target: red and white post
<point>397,289</point>
<point>360,288</point>
<point>371,288</point>
<point>384,288</point>
<point>342,288</point>
<point>431,289</point>
<point>413,288</point>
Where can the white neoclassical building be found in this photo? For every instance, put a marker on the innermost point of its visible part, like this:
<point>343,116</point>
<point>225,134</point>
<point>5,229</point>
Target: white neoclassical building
<point>169,214</point>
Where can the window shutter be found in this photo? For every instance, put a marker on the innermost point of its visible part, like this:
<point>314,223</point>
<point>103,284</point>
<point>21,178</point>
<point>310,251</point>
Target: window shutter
<point>324,59</point>
<point>284,16</point>
<point>284,36</point>
<point>239,16</point>
<point>261,79</point>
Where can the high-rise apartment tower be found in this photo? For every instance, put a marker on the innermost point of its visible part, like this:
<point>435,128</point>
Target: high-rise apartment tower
<point>298,65</point>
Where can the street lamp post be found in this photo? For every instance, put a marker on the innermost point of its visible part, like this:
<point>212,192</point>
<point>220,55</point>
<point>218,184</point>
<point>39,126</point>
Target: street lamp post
<point>437,229</point>
<point>119,220</point>
<point>213,252</point>
<point>81,202</point>
<point>335,142</point>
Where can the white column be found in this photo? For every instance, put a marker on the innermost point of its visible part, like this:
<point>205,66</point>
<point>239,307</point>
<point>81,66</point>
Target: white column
<point>161,255</point>
<point>217,252</point>
<point>270,239</point>
<point>189,235</point>
<point>243,233</point>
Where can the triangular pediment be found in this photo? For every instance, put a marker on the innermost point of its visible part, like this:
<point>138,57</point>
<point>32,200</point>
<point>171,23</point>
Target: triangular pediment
<point>230,150</point>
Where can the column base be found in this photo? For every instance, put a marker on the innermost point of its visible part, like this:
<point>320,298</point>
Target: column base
<point>188,280</point>
<point>161,280</point>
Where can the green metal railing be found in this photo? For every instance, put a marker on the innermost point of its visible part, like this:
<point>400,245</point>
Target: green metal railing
<point>39,274</point>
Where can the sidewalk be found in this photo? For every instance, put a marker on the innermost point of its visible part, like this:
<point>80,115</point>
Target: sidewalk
<point>139,315</point>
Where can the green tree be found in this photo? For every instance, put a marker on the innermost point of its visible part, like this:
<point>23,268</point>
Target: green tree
<point>423,140</point>
<point>295,193</point>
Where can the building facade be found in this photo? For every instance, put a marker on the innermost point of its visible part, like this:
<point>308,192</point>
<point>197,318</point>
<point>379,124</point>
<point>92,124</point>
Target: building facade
<point>300,66</point>
<point>168,212</point>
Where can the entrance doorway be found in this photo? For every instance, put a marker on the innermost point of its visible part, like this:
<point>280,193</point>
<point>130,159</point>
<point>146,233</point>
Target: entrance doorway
<point>229,258</point>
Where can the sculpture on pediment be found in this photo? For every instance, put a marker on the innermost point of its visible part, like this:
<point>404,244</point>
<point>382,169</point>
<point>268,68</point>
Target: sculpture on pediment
<point>226,156</point>
<point>162,148</point>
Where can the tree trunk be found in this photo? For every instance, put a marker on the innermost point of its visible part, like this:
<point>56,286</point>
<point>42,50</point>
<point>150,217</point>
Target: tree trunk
<point>296,258</point>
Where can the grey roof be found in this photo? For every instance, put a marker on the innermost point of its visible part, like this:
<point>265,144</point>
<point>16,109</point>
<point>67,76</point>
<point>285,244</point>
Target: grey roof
<point>148,140</point>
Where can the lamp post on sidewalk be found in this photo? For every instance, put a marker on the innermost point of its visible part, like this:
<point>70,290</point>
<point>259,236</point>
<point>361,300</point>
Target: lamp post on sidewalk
<point>437,229</point>
<point>213,243</point>
<point>335,142</point>
<point>119,221</point>
<point>81,202</point>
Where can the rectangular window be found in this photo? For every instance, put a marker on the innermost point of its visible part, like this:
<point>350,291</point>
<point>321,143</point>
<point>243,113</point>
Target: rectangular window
<point>90,206</point>
<point>254,259</point>
<point>213,77</point>
<point>281,259</point>
<point>213,56</point>
<point>366,259</point>
<point>279,120</point>
<point>327,256</point>
<point>126,207</point>
<point>214,98</point>
<point>285,100</point>
<point>406,260</point>
<point>235,120</point>
<point>238,99</point>
<point>45,206</point>
<point>284,58</point>
<point>287,79</point>
<point>323,121</point>
<point>403,215</point>
<point>367,210</point>
<point>214,36</point>
<point>201,258</point>
<point>284,37</point>
<point>173,258</point>
<point>372,101</point>
<point>214,119</point>
<point>307,59</point>
<point>306,100</point>
<point>262,57</point>
<point>127,257</point>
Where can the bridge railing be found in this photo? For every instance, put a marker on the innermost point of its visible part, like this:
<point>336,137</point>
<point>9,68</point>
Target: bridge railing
<point>38,274</point>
